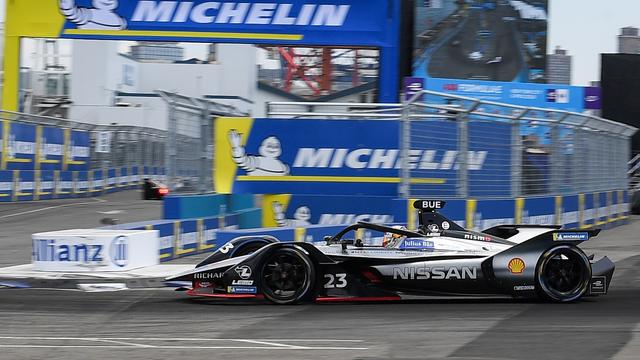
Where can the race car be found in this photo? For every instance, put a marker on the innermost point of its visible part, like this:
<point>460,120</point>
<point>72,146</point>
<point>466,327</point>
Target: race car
<point>153,190</point>
<point>440,258</point>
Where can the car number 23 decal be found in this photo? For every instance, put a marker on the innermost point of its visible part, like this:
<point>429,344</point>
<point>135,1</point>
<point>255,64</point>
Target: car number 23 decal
<point>335,281</point>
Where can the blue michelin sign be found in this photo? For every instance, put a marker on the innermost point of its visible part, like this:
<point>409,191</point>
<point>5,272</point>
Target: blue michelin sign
<point>336,22</point>
<point>347,157</point>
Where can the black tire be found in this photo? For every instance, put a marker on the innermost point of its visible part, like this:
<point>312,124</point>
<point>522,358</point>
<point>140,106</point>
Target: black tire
<point>563,274</point>
<point>287,276</point>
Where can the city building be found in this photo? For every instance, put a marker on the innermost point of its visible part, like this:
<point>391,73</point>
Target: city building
<point>157,51</point>
<point>559,67</point>
<point>629,41</point>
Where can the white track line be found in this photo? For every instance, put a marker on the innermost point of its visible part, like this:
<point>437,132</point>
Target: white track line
<point>135,343</point>
<point>272,344</point>
<point>168,339</point>
<point>161,347</point>
<point>52,207</point>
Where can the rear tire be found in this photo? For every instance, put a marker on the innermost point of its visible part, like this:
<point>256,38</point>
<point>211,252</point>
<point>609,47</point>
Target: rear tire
<point>287,276</point>
<point>563,274</point>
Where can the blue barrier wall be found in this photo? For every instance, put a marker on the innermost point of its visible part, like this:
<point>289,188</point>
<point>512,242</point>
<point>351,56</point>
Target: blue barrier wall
<point>181,238</point>
<point>29,185</point>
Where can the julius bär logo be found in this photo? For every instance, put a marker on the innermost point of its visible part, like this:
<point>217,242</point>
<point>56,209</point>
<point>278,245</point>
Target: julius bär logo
<point>516,266</point>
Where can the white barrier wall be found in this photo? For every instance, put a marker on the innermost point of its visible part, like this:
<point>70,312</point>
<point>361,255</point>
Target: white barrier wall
<point>86,250</point>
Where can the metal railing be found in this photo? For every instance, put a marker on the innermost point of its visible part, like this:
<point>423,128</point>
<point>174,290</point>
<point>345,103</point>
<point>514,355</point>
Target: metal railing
<point>461,147</point>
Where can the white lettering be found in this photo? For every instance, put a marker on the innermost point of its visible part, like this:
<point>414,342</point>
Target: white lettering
<point>152,11</point>
<point>261,13</point>
<point>199,13</point>
<point>309,157</point>
<point>282,15</point>
<point>383,159</point>
<point>353,159</point>
<point>232,13</point>
<point>304,17</point>
<point>182,14</point>
<point>331,15</point>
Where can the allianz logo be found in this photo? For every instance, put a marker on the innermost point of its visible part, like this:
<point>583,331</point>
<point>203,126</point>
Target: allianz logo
<point>385,159</point>
<point>51,250</point>
<point>263,13</point>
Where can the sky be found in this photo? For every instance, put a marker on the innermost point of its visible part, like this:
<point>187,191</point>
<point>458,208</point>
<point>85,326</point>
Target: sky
<point>585,28</point>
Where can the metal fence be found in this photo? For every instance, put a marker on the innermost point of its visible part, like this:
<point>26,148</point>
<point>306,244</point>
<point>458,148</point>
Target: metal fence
<point>127,145</point>
<point>190,144</point>
<point>519,151</point>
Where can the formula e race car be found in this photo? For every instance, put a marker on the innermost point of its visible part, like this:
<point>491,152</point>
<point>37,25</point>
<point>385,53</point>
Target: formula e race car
<point>440,258</point>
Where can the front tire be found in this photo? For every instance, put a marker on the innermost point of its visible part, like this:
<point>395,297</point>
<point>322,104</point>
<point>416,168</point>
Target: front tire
<point>563,274</point>
<point>287,276</point>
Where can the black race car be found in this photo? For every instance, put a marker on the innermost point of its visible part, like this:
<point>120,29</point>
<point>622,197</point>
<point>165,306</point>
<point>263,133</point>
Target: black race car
<point>441,258</point>
<point>153,190</point>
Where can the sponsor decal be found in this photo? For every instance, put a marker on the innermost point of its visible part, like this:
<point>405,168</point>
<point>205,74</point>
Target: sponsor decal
<point>560,96</point>
<point>51,250</point>
<point>598,285</point>
<point>120,251</point>
<point>204,284</point>
<point>242,282</point>
<point>205,276</point>
<point>445,225</point>
<point>476,237</point>
<point>573,236</point>
<point>524,287</point>
<point>435,273</point>
<point>416,244</point>
<point>243,271</point>
<point>433,228</point>
<point>242,289</point>
<point>516,266</point>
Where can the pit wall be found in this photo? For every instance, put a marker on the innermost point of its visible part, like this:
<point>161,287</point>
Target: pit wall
<point>180,238</point>
<point>30,185</point>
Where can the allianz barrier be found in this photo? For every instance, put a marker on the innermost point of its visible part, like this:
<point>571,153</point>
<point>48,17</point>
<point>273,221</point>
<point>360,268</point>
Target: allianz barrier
<point>30,185</point>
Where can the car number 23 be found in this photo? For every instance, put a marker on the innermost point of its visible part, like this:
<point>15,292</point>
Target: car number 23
<point>335,281</point>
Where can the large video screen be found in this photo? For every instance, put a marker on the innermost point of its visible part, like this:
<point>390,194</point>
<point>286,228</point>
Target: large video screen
<point>497,40</point>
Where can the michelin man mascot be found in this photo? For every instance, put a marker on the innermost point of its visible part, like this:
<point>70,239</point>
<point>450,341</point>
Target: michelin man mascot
<point>99,17</point>
<point>300,218</point>
<point>266,164</point>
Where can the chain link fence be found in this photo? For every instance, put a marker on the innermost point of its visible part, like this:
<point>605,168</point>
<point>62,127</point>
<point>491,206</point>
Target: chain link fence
<point>110,145</point>
<point>190,144</point>
<point>489,149</point>
<point>460,147</point>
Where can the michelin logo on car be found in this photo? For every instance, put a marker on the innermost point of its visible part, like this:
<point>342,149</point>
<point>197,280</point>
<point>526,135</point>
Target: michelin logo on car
<point>574,236</point>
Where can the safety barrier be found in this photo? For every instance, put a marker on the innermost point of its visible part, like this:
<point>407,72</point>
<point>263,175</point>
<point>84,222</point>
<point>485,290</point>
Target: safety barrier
<point>29,185</point>
<point>180,238</point>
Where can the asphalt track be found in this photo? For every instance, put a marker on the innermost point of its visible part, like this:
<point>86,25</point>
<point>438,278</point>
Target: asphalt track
<point>154,324</point>
<point>452,60</point>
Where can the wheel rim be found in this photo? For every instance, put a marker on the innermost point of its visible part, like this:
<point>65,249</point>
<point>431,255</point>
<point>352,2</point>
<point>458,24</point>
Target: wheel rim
<point>285,276</point>
<point>564,273</point>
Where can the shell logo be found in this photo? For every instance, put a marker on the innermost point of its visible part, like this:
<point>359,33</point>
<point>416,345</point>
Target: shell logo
<point>516,266</point>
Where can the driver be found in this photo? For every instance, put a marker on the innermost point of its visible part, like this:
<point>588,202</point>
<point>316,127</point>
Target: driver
<point>391,239</point>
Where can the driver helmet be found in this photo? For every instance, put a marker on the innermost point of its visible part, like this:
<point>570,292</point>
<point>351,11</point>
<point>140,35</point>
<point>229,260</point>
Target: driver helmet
<point>391,239</point>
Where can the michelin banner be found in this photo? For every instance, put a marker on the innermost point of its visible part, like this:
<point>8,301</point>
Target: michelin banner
<point>348,157</point>
<point>293,21</point>
<point>50,148</point>
<point>20,147</point>
<point>299,210</point>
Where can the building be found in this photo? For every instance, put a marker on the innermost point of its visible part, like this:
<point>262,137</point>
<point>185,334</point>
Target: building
<point>157,51</point>
<point>629,41</point>
<point>559,67</point>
